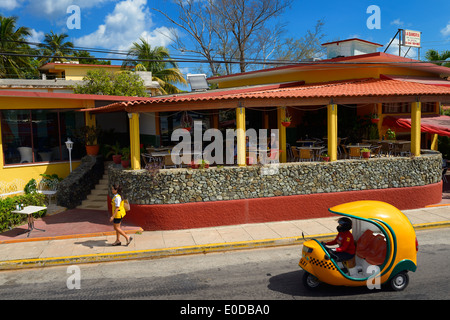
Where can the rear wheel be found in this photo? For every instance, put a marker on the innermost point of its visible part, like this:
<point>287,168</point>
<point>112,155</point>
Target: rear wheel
<point>400,281</point>
<point>310,281</point>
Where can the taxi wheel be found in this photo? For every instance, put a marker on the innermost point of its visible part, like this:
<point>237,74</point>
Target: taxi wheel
<point>400,281</point>
<point>310,281</point>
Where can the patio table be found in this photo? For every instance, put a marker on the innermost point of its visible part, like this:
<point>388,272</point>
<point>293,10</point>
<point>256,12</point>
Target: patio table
<point>29,210</point>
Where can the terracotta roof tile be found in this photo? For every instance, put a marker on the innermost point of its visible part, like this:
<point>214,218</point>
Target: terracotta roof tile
<point>348,88</point>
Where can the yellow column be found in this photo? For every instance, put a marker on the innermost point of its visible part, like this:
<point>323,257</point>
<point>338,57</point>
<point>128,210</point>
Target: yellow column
<point>1,149</point>
<point>281,114</point>
<point>434,142</point>
<point>135,157</point>
<point>415,128</point>
<point>332,131</point>
<point>240,135</point>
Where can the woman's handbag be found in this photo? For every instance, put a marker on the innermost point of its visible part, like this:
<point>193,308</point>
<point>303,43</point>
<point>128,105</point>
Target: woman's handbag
<point>126,205</point>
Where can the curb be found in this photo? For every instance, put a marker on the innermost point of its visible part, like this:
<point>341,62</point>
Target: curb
<point>178,251</point>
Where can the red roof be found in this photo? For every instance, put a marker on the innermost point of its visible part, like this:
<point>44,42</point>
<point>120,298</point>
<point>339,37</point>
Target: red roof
<point>377,58</point>
<point>336,89</point>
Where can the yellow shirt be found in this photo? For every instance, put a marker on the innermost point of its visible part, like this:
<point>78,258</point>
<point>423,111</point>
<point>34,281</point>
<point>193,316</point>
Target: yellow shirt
<point>117,199</point>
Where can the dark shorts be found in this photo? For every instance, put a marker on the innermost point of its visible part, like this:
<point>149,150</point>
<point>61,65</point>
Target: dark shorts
<point>343,256</point>
<point>117,220</point>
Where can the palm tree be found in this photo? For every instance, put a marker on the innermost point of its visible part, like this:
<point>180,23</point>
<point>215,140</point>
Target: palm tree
<point>12,40</point>
<point>433,55</point>
<point>54,45</point>
<point>152,59</point>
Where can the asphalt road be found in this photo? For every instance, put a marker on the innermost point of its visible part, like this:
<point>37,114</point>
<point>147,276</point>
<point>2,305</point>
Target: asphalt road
<point>258,275</point>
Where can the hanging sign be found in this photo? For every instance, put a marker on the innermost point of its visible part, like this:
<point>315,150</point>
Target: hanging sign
<point>411,38</point>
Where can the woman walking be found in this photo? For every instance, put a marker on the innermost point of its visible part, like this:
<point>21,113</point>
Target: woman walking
<point>118,212</point>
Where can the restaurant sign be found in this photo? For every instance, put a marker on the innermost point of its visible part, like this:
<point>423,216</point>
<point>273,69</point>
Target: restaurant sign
<point>411,38</point>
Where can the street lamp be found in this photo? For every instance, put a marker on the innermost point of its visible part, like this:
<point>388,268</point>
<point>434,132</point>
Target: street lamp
<point>69,145</point>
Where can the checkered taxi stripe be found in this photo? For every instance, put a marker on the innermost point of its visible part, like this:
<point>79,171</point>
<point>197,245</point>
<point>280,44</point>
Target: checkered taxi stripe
<point>318,263</point>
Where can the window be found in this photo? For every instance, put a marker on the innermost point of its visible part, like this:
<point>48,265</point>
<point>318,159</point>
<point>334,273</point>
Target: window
<point>31,136</point>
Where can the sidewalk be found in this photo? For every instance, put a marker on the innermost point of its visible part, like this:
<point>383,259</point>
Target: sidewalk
<point>69,239</point>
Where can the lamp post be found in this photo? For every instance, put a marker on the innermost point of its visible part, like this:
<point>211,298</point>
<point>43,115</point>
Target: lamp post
<point>69,145</point>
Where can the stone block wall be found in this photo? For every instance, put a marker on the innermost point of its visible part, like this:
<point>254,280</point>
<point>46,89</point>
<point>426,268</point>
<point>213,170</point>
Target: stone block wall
<point>79,183</point>
<point>173,186</point>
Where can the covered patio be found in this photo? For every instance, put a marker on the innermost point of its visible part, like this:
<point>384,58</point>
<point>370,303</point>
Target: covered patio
<point>281,97</point>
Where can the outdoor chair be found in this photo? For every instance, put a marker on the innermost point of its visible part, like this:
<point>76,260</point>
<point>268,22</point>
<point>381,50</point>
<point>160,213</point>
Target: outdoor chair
<point>147,158</point>
<point>405,150</point>
<point>49,188</point>
<point>295,154</point>
<point>306,155</point>
<point>168,163</point>
<point>375,151</point>
<point>354,153</point>
<point>344,154</point>
<point>444,170</point>
<point>290,154</point>
<point>26,154</point>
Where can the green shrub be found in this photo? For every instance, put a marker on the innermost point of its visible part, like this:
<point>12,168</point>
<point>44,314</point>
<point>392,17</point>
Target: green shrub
<point>8,220</point>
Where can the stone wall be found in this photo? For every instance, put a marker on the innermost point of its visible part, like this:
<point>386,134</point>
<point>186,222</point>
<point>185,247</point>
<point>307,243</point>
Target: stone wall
<point>173,186</point>
<point>79,183</point>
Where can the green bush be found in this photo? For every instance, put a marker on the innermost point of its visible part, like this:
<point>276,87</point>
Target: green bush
<point>8,220</point>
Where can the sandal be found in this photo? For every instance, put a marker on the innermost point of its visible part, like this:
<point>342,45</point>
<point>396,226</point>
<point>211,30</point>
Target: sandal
<point>117,244</point>
<point>129,240</point>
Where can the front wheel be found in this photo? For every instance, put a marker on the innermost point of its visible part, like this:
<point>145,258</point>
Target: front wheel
<point>310,281</point>
<point>400,281</point>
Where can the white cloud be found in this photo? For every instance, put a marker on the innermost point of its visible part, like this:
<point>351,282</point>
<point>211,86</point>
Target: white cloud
<point>10,4</point>
<point>59,7</point>
<point>36,36</point>
<point>129,21</point>
<point>393,49</point>
<point>446,31</point>
<point>397,22</point>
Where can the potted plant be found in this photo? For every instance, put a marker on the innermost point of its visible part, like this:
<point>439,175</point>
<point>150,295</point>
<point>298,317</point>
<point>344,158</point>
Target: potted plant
<point>115,152</point>
<point>390,134</point>
<point>89,135</point>
<point>125,157</point>
<point>203,164</point>
<point>194,165</point>
<point>186,121</point>
<point>374,118</point>
<point>325,157</point>
<point>286,121</point>
<point>365,153</point>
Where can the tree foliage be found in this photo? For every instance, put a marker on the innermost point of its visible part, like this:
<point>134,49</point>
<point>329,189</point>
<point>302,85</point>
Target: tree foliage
<point>12,40</point>
<point>231,34</point>
<point>157,60</point>
<point>101,82</point>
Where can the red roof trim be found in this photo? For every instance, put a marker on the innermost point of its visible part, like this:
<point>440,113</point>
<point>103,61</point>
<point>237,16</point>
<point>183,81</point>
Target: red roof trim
<point>59,95</point>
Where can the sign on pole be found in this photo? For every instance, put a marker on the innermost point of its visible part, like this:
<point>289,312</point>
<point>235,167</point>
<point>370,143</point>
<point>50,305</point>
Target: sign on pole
<point>411,38</point>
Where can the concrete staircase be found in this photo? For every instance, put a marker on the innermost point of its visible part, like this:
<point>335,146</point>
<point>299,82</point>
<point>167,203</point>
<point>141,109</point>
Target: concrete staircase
<point>97,200</point>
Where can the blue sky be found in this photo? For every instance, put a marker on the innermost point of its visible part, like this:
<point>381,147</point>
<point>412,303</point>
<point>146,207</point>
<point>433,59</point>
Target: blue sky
<point>115,24</point>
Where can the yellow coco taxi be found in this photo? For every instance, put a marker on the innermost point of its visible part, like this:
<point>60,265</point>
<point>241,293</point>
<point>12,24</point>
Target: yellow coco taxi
<point>386,249</point>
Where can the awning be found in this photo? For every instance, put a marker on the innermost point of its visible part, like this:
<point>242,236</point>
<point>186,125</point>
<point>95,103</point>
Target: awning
<point>431,124</point>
